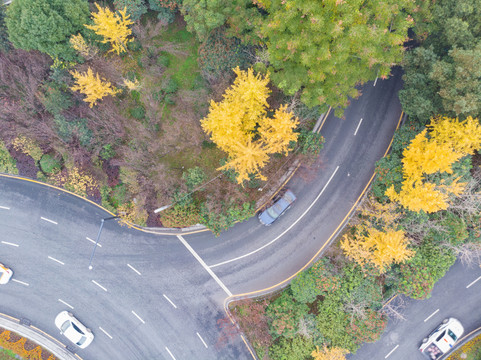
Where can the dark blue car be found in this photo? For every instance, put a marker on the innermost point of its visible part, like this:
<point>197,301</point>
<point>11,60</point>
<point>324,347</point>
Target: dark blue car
<point>280,206</point>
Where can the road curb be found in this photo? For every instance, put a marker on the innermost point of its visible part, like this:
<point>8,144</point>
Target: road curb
<point>36,335</point>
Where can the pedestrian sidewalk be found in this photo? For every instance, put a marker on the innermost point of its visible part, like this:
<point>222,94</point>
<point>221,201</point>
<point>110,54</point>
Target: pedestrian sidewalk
<point>37,336</point>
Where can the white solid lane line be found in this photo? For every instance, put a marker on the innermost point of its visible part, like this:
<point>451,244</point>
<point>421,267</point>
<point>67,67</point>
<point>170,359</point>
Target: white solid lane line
<point>430,316</point>
<point>385,357</point>
<point>60,262</point>
<point>66,304</point>
<point>9,243</point>
<point>171,303</point>
<point>138,317</point>
<point>105,332</point>
<point>50,221</point>
<point>203,342</point>
<point>467,287</point>
<point>285,231</point>
<point>204,265</point>
<point>358,125</point>
<point>166,348</point>
<point>100,286</point>
<point>20,282</point>
<point>375,81</point>
<point>134,269</point>
<point>4,207</point>
<point>93,241</point>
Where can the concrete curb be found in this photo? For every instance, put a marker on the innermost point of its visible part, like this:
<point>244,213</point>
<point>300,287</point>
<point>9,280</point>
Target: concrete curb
<point>23,328</point>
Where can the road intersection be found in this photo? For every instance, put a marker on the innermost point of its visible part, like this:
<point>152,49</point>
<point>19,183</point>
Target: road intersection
<point>151,296</point>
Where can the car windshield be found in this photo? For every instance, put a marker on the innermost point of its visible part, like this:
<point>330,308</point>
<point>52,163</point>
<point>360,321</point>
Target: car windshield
<point>78,330</point>
<point>272,213</point>
<point>440,336</point>
<point>82,340</point>
<point>65,326</point>
<point>454,337</point>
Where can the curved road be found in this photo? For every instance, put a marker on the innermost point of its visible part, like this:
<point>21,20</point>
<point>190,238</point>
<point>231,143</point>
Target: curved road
<point>161,297</point>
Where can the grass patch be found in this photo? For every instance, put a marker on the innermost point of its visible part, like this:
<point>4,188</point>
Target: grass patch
<point>469,351</point>
<point>7,354</point>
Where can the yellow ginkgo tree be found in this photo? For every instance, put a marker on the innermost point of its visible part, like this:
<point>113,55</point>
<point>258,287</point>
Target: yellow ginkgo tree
<point>113,27</point>
<point>377,248</point>
<point>447,141</point>
<point>92,86</point>
<point>326,353</point>
<point>239,125</point>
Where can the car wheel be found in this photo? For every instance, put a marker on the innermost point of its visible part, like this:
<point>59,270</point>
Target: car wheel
<point>445,321</point>
<point>70,314</point>
<point>425,340</point>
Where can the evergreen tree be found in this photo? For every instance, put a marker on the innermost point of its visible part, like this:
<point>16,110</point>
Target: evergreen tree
<point>46,25</point>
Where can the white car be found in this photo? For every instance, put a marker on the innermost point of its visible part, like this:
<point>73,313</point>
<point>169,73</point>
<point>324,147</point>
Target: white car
<point>442,339</point>
<point>73,329</point>
<point>5,274</point>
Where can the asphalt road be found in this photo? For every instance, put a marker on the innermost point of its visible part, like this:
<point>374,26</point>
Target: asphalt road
<point>160,297</point>
<point>455,295</point>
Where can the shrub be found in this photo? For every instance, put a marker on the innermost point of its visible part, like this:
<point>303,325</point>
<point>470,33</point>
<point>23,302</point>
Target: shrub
<point>219,54</point>
<point>193,177</point>
<point>7,163</point>
<point>107,152</point>
<point>54,99</point>
<point>180,215</point>
<point>310,143</point>
<point>68,129</point>
<point>28,147</point>
<point>137,112</point>
<point>163,60</point>
<point>135,8</point>
<point>227,217</point>
<point>49,164</point>
<point>285,314</point>
<point>417,276</point>
<point>134,45</point>
<point>166,14</point>
<point>298,348</point>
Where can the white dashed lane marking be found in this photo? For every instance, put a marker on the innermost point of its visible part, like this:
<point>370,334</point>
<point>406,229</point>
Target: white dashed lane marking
<point>430,316</point>
<point>134,269</point>
<point>385,357</point>
<point>9,243</point>
<point>53,259</point>
<point>48,220</point>
<point>138,317</point>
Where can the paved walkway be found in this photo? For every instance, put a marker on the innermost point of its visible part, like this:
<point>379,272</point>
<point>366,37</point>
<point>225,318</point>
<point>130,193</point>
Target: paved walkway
<point>38,336</point>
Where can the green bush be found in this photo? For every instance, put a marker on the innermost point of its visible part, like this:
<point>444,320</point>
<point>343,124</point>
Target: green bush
<point>165,15</point>
<point>49,164</point>
<point>285,314</point>
<point>208,144</point>
<point>54,99</point>
<point>298,348</point>
<point>137,112</point>
<point>68,129</point>
<point>389,171</point>
<point>163,60</point>
<point>193,177</point>
<point>7,163</point>
<point>107,152</point>
<point>135,8</point>
<point>171,86</point>
<point>134,45</point>
<point>310,143</point>
<point>5,44</point>
<point>416,277</point>
<point>229,215</point>
<point>219,54</point>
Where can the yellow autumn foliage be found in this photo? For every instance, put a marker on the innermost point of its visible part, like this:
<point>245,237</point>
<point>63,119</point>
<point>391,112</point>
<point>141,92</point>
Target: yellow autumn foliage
<point>448,141</point>
<point>92,86</point>
<point>132,213</point>
<point>76,181</point>
<point>28,147</point>
<point>378,248</point>
<point>132,85</point>
<point>113,27</point>
<point>239,126</point>
<point>79,44</point>
<point>326,353</point>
